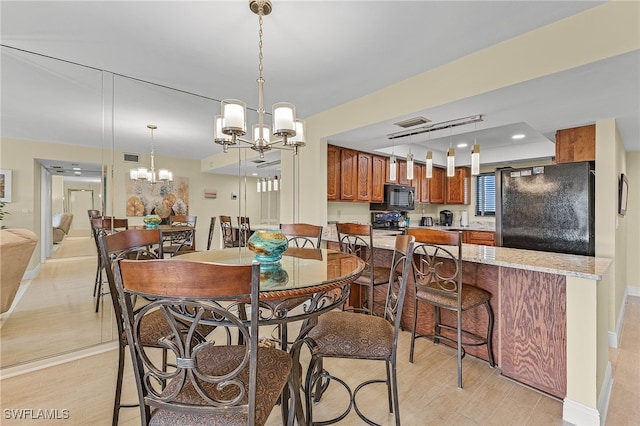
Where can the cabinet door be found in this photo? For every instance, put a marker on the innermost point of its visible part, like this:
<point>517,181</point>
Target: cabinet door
<point>378,175</point>
<point>364,177</point>
<point>416,182</point>
<point>577,144</point>
<point>423,194</point>
<point>402,173</point>
<point>437,186</point>
<point>333,172</point>
<point>348,174</point>
<point>485,238</point>
<point>458,187</point>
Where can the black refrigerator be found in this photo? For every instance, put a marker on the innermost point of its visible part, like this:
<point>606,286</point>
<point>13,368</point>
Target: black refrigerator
<point>547,208</point>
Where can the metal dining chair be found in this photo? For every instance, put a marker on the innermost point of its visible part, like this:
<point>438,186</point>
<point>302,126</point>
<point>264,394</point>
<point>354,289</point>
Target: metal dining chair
<point>217,381</point>
<point>357,239</point>
<point>228,233</point>
<point>302,234</point>
<point>438,282</point>
<point>181,242</point>
<point>103,226</point>
<point>351,335</point>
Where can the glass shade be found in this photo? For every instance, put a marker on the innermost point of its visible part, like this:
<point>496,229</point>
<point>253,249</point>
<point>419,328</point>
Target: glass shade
<point>284,117</point>
<point>298,138</point>
<point>393,167</point>
<point>429,167</point>
<point>475,160</point>
<point>275,183</point>
<point>451,162</point>
<point>165,175</point>
<point>218,136</point>
<point>265,132</point>
<point>410,166</point>
<point>258,186</point>
<point>234,113</point>
<point>133,174</point>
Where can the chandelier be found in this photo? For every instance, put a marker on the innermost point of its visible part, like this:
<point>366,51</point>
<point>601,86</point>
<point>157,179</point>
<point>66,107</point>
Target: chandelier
<point>144,174</point>
<point>231,125</point>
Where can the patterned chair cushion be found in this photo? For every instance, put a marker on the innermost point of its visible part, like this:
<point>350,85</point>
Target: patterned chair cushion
<point>274,367</point>
<point>472,296</point>
<point>155,327</point>
<point>353,335</point>
<point>380,276</point>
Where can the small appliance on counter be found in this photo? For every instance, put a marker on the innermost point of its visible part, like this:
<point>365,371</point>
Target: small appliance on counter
<point>464,218</point>
<point>446,218</point>
<point>426,221</point>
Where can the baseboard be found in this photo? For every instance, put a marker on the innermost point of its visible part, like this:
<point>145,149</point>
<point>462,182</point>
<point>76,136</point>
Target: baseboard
<point>579,414</point>
<point>633,290</point>
<point>614,336</point>
<point>29,367</point>
<point>605,394</point>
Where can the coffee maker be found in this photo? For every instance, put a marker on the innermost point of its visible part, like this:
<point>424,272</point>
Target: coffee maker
<point>446,218</point>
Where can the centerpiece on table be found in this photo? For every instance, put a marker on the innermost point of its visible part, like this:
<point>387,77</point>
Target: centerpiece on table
<point>268,245</point>
<point>151,221</point>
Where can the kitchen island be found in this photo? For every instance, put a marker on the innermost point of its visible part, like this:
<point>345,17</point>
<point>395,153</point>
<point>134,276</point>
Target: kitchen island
<point>546,313</point>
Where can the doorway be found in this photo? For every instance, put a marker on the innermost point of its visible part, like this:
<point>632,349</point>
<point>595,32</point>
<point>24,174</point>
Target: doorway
<point>79,202</point>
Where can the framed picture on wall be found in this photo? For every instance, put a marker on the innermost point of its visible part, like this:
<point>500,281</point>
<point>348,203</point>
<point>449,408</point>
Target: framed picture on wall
<point>5,185</point>
<point>623,194</point>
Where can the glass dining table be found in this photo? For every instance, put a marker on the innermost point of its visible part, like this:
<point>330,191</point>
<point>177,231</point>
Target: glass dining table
<point>304,284</point>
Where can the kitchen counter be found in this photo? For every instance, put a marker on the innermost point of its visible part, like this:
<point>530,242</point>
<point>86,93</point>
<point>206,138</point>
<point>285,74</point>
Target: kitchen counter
<point>541,303</point>
<point>591,268</point>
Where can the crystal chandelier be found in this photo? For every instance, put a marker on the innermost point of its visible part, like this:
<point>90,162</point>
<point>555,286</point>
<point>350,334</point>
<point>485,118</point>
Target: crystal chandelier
<point>143,174</point>
<point>231,125</point>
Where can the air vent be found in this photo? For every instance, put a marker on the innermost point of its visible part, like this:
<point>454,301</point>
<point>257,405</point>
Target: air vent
<point>415,121</point>
<point>132,158</point>
<point>272,163</point>
<point>258,161</point>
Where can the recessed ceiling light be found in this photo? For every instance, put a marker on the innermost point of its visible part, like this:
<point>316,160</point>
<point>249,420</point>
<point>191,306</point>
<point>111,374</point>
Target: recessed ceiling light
<point>77,173</point>
<point>254,174</point>
<point>518,136</point>
<point>77,168</point>
<point>462,145</point>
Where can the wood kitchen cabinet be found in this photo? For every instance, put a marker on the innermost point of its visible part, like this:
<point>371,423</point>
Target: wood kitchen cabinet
<point>485,238</point>
<point>333,172</point>
<point>348,174</point>
<point>378,175</point>
<point>401,172</point>
<point>364,177</point>
<point>437,186</point>
<point>459,187</point>
<point>576,144</point>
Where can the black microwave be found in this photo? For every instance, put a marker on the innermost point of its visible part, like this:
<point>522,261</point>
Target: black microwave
<point>396,197</point>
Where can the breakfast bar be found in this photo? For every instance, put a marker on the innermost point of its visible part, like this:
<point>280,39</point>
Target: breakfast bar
<point>545,307</point>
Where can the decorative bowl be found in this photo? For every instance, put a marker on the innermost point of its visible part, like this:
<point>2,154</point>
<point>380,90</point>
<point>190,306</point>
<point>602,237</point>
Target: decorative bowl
<point>268,245</point>
<point>151,221</point>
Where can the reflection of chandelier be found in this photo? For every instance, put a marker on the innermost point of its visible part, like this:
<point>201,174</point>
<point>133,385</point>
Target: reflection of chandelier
<point>268,184</point>
<point>232,124</point>
<point>141,173</point>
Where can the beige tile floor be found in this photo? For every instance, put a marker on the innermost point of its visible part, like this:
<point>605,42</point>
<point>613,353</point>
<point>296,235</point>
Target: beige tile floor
<point>428,392</point>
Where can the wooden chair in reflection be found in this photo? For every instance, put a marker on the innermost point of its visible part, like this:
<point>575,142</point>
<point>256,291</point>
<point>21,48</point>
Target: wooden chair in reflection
<point>351,335</point>
<point>136,244</point>
<point>212,227</point>
<point>229,236</point>
<point>244,230</point>
<point>104,226</point>
<point>302,234</point>
<point>217,381</point>
<point>181,242</point>
<point>438,282</point>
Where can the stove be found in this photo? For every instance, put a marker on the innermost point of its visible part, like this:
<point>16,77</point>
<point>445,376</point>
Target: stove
<point>385,220</point>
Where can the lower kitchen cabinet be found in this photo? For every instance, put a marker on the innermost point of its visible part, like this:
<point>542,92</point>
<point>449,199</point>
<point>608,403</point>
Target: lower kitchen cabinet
<point>485,238</point>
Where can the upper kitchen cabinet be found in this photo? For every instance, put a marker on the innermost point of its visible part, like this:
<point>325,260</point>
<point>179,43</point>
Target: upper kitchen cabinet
<point>430,190</point>
<point>576,144</point>
<point>333,172</point>
<point>401,172</point>
<point>364,177</point>
<point>459,187</point>
<point>348,174</point>
<point>378,175</point>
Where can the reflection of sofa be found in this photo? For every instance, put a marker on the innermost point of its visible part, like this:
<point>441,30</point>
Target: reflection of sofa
<point>16,248</point>
<point>61,224</point>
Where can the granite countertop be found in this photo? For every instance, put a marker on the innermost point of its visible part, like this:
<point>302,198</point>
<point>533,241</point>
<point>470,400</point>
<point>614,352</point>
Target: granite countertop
<point>592,268</point>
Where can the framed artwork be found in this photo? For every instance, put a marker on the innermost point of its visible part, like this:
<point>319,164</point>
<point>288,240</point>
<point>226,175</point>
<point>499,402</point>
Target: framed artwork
<point>162,198</point>
<point>623,194</point>
<point>5,185</point>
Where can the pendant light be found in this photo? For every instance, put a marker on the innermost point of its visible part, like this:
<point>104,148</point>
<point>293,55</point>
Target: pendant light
<point>393,167</point>
<point>429,168</point>
<point>451,162</point>
<point>409,166</point>
<point>144,174</point>
<point>275,183</point>
<point>475,159</point>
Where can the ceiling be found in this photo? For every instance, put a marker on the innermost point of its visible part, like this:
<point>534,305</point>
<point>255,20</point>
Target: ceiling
<point>170,63</point>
